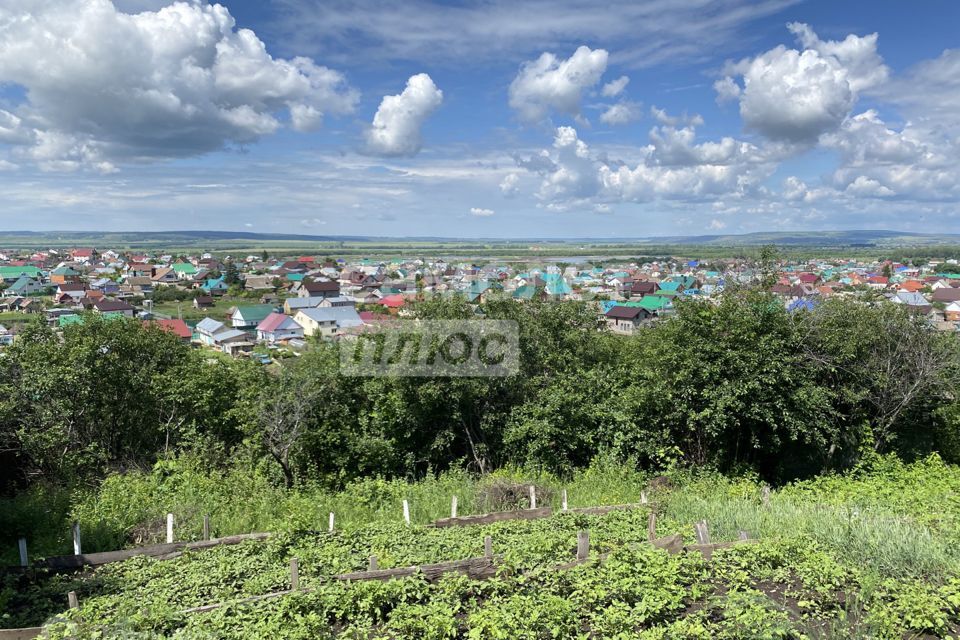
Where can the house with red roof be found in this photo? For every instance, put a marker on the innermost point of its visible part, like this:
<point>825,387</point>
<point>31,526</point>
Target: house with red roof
<point>178,328</point>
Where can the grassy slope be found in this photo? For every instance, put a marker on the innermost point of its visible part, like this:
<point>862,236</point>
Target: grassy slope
<point>870,555</point>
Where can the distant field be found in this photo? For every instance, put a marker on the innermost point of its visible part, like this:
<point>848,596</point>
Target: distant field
<point>858,244</point>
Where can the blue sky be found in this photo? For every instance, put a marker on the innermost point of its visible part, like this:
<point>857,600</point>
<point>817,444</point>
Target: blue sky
<point>469,119</point>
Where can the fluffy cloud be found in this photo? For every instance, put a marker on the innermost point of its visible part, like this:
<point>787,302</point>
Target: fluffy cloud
<point>621,113</point>
<point>615,87</point>
<point>104,86</point>
<point>510,185</point>
<point>482,213</point>
<point>865,187</point>
<point>552,84</point>
<point>674,167</point>
<point>796,96</point>
<point>396,125</point>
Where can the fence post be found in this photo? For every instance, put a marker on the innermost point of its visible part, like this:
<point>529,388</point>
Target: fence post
<point>373,565</point>
<point>22,544</point>
<point>652,527</point>
<point>765,495</point>
<point>583,545</point>
<point>406,512</point>
<point>169,528</point>
<point>72,600</point>
<point>488,546</point>
<point>76,539</point>
<point>294,574</point>
<point>643,497</point>
<point>453,507</point>
<point>206,527</point>
<point>702,532</point>
<point>331,522</point>
<point>564,508</point>
<point>533,497</point>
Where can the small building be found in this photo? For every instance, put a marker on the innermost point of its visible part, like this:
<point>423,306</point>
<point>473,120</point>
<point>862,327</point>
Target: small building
<point>178,328</point>
<point>625,320</point>
<point>118,307</point>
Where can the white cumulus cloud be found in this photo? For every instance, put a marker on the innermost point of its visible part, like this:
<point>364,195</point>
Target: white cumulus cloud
<point>482,213</point>
<point>550,83</point>
<point>798,95</point>
<point>623,112</point>
<point>615,87</point>
<point>396,125</point>
<point>104,86</point>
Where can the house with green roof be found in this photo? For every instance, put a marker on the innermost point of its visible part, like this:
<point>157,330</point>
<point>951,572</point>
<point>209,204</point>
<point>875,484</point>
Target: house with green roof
<point>24,286</point>
<point>184,270</point>
<point>249,316</point>
<point>12,274</point>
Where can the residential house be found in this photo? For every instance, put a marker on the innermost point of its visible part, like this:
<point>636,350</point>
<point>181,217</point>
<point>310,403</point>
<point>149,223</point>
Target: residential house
<point>178,328</point>
<point>25,286</point>
<point>318,289</point>
<point>277,327</point>
<point>249,316</point>
<point>622,319</point>
<point>208,329</point>
<point>215,286</point>
<point>326,322</point>
<point>114,307</point>
<point>203,302</point>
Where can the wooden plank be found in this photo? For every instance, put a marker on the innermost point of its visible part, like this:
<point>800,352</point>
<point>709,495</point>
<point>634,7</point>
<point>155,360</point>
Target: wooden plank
<point>476,568</point>
<point>487,518</point>
<point>27,633</point>
<point>671,544</point>
<point>599,511</point>
<point>707,549</point>
<point>162,551</point>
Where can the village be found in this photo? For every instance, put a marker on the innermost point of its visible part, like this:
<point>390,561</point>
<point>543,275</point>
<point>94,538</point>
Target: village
<point>258,305</point>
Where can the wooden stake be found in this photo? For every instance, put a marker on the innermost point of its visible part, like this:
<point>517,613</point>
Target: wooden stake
<point>765,495</point>
<point>76,539</point>
<point>583,545</point>
<point>406,512</point>
<point>564,507</point>
<point>72,599</point>
<point>702,532</point>
<point>206,527</point>
<point>331,522</point>
<point>22,543</point>
<point>453,507</point>
<point>643,497</point>
<point>294,574</point>
<point>652,527</point>
<point>169,528</point>
<point>533,497</point>
<point>373,566</point>
<point>488,546</point>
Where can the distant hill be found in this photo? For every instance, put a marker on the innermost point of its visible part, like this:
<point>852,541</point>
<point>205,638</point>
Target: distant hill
<point>223,240</point>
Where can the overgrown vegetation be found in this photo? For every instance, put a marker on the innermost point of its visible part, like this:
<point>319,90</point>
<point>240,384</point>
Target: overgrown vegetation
<point>115,424</point>
<point>835,560</point>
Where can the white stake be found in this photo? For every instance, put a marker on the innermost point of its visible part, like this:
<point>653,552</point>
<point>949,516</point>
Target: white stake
<point>406,512</point>
<point>331,522</point>
<point>533,497</point>
<point>643,497</point>
<point>169,528</point>
<point>76,538</point>
<point>22,543</point>
<point>453,507</point>
<point>564,499</point>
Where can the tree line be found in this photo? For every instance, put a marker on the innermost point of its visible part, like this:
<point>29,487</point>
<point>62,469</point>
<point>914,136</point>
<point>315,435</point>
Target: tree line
<point>737,385</point>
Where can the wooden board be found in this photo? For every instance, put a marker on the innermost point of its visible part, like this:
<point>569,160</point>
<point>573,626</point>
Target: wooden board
<point>488,518</point>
